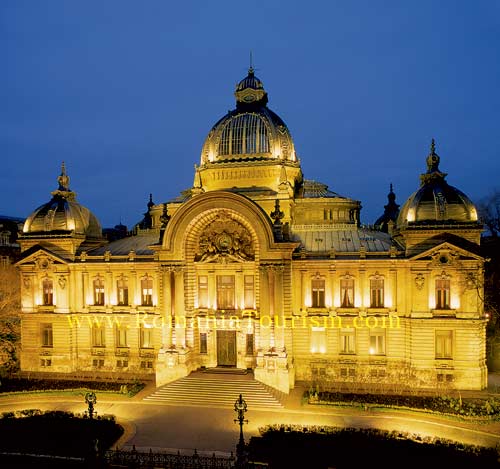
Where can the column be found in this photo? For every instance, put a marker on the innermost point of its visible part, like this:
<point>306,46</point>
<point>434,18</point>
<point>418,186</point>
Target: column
<point>180,314</point>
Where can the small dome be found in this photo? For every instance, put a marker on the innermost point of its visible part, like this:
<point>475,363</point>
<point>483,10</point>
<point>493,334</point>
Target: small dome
<point>63,213</point>
<point>436,202</point>
<point>251,131</point>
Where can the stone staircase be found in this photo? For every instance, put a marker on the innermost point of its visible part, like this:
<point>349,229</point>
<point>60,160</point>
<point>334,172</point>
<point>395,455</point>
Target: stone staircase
<point>201,389</point>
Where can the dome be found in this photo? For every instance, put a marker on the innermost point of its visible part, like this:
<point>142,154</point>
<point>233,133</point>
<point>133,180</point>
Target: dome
<point>436,202</point>
<point>250,132</point>
<point>63,213</point>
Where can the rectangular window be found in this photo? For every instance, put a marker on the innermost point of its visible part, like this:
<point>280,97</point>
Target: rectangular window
<point>318,293</point>
<point>318,340</point>
<point>202,291</point>
<point>444,344</point>
<point>377,343</point>
<point>203,342</point>
<point>47,292</point>
<point>147,364</point>
<point>249,292</point>
<point>147,291</point>
<point>47,335</point>
<point>347,293</point>
<point>442,294</point>
<point>121,336</point>
<point>376,293</point>
<point>249,345</point>
<point>45,362</point>
<point>225,291</point>
<point>146,337</point>
<point>98,363</point>
<point>98,334</point>
<point>348,341</point>
<point>122,292</point>
<point>122,363</point>
<point>99,292</point>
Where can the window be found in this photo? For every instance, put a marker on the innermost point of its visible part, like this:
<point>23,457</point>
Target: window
<point>122,363</point>
<point>98,363</point>
<point>4,261</point>
<point>122,291</point>
<point>146,337</point>
<point>47,336</point>
<point>99,291</point>
<point>225,291</point>
<point>202,291</point>
<point>45,362</point>
<point>98,336</point>
<point>318,293</point>
<point>442,294</point>
<point>249,345</point>
<point>444,344</point>
<point>249,292</point>
<point>121,336</point>
<point>318,340</point>
<point>377,343</point>
<point>347,293</point>
<point>376,293</point>
<point>348,341</point>
<point>203,342</point>
<point>147,291</point>
<point>246,133</point>
<point>47,292</point>
<point>4,238</point>
<point>147,364</point>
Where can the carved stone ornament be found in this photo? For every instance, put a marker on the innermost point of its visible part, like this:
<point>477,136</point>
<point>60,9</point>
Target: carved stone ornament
<point>419,281</point>
<point>445,257</point>
<point>43,263</point>
<point>62,282</point>
<point>225,240</point>
<point>27,282</point>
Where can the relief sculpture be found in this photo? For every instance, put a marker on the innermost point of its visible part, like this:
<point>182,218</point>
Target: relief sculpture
<point>225,240</point>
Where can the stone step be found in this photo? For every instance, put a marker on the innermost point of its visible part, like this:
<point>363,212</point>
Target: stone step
<point>204,390</point>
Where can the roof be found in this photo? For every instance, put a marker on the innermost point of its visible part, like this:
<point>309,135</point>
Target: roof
<point>314,189</point>
<point>325,239</point>
<point>121,247</point>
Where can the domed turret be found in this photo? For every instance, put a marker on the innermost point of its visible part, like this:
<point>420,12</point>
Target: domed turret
<point>250,132</point>
<point>391,211</point>
<point>63,214</point>
<point>436,202</point>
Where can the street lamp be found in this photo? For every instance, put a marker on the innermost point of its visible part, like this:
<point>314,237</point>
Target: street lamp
<point>90,400</point>
<point>240,407</point>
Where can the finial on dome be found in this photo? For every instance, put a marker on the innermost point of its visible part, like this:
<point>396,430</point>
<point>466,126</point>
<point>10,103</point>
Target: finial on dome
<point>391,191</point>
<point>63,179</point>
<point>433,147</point>
<point>433,159</point>
<point>150,203</point>
<point>251,69</point>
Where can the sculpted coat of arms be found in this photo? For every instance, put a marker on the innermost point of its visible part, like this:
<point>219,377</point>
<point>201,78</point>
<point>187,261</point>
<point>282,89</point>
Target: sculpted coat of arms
<point>225,240</point>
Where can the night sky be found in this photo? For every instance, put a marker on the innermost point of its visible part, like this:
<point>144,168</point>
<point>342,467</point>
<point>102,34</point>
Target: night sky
<point>125,93</point>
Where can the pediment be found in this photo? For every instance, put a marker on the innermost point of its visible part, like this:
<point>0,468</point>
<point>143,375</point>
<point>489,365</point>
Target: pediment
<point>40,257</point>
<point>445,254</point>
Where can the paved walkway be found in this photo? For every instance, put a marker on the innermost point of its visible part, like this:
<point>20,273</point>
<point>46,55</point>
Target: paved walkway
<point>162,425</point>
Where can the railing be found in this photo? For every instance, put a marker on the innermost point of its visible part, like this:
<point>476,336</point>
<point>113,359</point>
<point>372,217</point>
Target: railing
<point>149,459</point>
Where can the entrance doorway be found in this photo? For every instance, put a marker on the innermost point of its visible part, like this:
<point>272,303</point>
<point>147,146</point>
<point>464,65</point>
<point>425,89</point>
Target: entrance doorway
<point>226,348</point>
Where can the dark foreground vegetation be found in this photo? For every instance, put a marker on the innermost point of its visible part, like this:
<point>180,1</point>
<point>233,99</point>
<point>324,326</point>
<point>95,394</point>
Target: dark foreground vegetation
<point>322,447</point>
<point>8,385</point>
<point>488,408</point>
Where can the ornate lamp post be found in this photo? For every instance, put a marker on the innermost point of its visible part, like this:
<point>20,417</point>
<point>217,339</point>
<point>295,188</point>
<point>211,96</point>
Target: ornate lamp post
<point>240,407</point>
<point>90,400</point>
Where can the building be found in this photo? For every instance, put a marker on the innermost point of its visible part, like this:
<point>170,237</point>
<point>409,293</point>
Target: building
<point>256,267</point>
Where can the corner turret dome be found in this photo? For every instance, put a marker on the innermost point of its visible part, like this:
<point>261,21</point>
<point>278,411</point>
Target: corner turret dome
<point>63,214</point>
<point>251,131</point>
<point>436,202</point>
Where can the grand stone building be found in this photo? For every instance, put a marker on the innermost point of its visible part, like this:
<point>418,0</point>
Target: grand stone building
<point>256,267</point>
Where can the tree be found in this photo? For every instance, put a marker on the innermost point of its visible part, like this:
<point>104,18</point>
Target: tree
<point>10,308</point>
<point>489,212</point>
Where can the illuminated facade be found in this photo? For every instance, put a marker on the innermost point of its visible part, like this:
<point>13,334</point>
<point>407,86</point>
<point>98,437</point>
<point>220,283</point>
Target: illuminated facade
<point>257,268</point>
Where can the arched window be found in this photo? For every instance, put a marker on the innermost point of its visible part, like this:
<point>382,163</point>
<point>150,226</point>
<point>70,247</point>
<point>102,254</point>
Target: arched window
<point>122,291</point>
<point>347,292</point>
<point>147,291</point>
<point>47,292</point>
<point>376,291</point>
<point>98,291</point>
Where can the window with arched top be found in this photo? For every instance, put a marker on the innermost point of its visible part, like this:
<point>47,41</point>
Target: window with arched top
<point>98,285</point>
<point>122,291</point>
<point>47,292</point>
<point>147,291</point>
<point>244,134</point>
<point>347,292</point>
<point>377,291</point>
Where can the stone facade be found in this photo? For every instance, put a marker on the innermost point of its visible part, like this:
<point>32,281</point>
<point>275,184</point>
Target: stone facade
<point>257,268</point>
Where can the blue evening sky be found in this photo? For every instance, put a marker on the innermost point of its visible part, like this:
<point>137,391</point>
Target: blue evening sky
<point>126,91</point>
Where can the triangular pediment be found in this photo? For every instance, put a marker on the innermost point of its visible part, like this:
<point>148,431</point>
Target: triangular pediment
<point>446,252</point>
<point>40,256</point>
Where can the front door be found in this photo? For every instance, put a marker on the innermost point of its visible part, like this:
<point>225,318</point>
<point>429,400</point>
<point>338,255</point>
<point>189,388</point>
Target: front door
<point>226,348</point>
